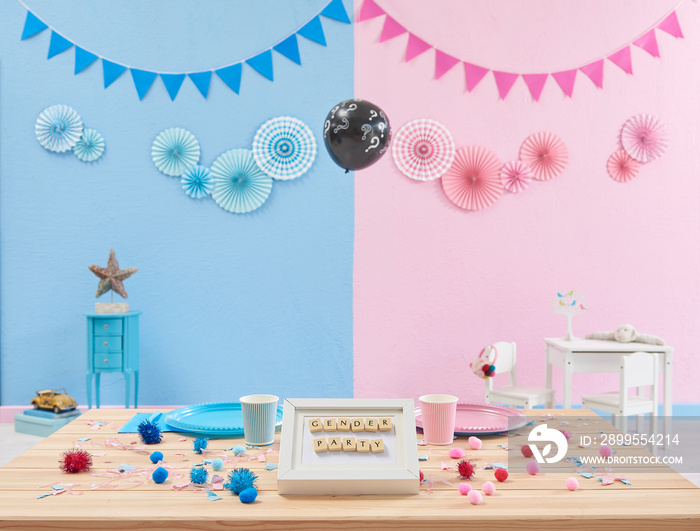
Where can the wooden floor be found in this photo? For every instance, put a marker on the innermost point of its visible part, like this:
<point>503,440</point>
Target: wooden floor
<point>652,501</point>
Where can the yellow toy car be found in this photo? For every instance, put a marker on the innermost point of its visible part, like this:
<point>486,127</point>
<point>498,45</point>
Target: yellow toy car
<point>55,399</point>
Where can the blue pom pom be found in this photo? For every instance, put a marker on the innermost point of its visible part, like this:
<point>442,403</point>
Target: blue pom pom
<point>149,432</point>
<point>200,443</point>
<point>492,368</point>
<point>239,450</point>
<point>240,479</point>
<point>248,495</point>
<point>198,475</point>
<point>160,474</point>
<point>217,464</point>
<point>156,456</point>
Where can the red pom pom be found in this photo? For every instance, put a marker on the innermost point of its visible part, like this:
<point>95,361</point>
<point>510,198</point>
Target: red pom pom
<point>466,469</point>
<point>75,461</point>
<point>422,477</point>
<point>501,474</point>
<point>526,450</point>
<point>486,367</point>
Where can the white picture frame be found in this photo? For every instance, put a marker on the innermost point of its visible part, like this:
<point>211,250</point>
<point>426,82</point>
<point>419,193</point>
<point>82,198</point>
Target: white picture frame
<point>394,473</point>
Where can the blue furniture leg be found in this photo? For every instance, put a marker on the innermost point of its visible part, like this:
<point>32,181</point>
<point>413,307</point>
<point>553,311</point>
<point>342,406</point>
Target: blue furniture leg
<point>97,389</point>
<point>127,384</point>
<point>136,389</point>
<point>88,382</point>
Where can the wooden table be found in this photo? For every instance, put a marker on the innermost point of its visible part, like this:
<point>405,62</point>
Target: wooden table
<point>653,500</point>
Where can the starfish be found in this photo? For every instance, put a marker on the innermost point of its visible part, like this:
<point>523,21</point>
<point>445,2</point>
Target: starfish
<point>111,276</point>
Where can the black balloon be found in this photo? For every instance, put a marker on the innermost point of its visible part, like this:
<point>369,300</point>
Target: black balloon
<point>356,134</point>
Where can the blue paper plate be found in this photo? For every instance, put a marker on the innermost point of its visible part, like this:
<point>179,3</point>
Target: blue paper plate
<point>221,419</point>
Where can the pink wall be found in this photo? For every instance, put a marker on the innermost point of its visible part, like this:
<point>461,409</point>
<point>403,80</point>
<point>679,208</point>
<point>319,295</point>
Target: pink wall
<point>434,283</point>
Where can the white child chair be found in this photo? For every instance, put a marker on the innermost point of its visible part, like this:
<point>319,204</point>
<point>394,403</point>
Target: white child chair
<point>636,370</point>
<point>502,356</point>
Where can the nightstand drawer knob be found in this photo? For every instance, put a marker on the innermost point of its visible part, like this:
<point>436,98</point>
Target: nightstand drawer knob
<point>106,360</point>
<point>105,343</point>
<point>106,326</point>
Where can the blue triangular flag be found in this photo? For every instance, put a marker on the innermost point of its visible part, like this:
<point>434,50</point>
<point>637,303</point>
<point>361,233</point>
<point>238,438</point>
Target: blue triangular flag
<point>111,71</point>
<point>262,63</point>
<point>336,10</point>
<point>83,59</point>
<point>142,81</point>
<point>231,75</point>
<point>32,26</point>
<point>58,44</point>
<point>313,31</point>
<point>289,47</point>
<point>172,83</point>
<point>201,81</point>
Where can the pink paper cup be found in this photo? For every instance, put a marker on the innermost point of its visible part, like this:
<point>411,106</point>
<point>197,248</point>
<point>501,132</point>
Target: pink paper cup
<point>438,413</point>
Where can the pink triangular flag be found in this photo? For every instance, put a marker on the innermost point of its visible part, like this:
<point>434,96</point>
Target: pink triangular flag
<point>671,25</point>
<point>504,82</point>
<point>474,74</point>
<point>566,80</point>
<point>369,10</point>
<point>647,42</point>
<point>391,29</point>
<point>415,47</point>
<point>594,71</point>
<point>623,59</point>
<point>535,82</point>
<point>443,63</point>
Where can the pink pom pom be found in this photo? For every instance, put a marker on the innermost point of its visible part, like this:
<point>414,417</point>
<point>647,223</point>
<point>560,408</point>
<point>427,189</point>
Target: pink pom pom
<point>532,467</point>
<point>526,450</point>
<point>456,453</point>
<point>566,433</point>
<point>475,443</point>
<point>480,373</point>
<point>605,450</point>
<point>488,488</point>
<point>474,497</point>
<point>464,488</point>
<point>571,484</point>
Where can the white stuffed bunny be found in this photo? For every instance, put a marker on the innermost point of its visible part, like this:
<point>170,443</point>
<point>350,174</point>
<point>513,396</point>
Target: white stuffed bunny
<point>627,334</point>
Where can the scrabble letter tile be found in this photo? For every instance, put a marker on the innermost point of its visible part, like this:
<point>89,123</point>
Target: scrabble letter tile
<point>329,425</point>
<point>358,425</point>
<point>385,424</point>
<point>363,445</point>
<point>334,444</point>
<point>349,444</point>
<point>377,446</point>
<point>315,425</point>
<point>320,445</point>
<point>371,425</point>
<point>343,424</point>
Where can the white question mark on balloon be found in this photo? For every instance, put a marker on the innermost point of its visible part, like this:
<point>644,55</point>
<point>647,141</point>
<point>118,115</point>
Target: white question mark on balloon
<point>352,107</point>
<point>372,114</point>
<point>366,128</point>
<point>381,127</point>
<point>326,127</point>
<point>344,125</point>
<point>373,144</point>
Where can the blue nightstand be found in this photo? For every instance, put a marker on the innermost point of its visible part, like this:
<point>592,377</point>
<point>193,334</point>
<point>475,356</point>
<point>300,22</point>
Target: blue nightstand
<point>113,346</point>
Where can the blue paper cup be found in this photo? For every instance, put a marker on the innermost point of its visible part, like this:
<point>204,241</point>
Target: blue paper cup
<point>259,419</point>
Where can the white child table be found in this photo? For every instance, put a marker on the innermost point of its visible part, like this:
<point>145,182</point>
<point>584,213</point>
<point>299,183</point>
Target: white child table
<point>594,355</point>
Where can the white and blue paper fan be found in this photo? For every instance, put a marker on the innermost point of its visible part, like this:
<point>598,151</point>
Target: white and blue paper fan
<point>239,185</point>
<point>175,151</point>
<point>90,146</point>
<point>284,148</point>
<point>58,128</point>
<point>196,182</point>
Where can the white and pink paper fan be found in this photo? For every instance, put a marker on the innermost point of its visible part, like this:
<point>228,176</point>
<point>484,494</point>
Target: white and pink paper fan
<point>546,154</point>
<point>423,149</point>
<point>622,167</point>
<point>644,137</point>
<point>516,176</point>
<point>473,181</point>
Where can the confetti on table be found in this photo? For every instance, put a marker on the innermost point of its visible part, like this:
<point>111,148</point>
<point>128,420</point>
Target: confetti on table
<point>599,431</point>
<point>422,443</point>
<point>44,495</point>
<point>261,458</point>
<point>180,453</point>
<point>271,466</point>
<point>583,418</point>
<point>423,457</point>
<point>503,446</point>
<point>625,481</point>
<point>57,487</point>
<point>583,446</point>
<point>530,423</point>
<point>198,464</point>
<point>445,466</point>
<point>587,475</point>
<point>488,467</point>
<point>83,439</point>
<point>182,439</point>
<point>499,465</point>
<point>212,495</point>
<point>125,468</point>
<point>217,483</point>
<point>98,454</point>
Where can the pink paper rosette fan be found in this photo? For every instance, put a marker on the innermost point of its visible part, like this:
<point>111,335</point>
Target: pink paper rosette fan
<point>546,155</point>
<point>644,137</point>
<point>622,167</point>
<point>473,181</point>
<point>516,176</point>
<point>423,149</point>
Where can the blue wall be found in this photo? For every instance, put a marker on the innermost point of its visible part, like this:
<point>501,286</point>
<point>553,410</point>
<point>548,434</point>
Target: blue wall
<point>232,304</point>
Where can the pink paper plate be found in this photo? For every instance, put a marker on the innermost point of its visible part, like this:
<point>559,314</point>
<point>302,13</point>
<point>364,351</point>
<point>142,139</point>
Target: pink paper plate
<point>474,419</point>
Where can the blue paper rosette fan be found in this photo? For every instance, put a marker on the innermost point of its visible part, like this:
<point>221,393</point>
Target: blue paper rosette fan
<point>90,146</point>
<point>58,128</point>
<point>174,151</point>
<point>284,148</point>
<point>238,184</point>
<point>196,182</point>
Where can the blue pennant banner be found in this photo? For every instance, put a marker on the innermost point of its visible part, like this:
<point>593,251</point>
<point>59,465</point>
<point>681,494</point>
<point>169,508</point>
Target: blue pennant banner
<point>231,74</point>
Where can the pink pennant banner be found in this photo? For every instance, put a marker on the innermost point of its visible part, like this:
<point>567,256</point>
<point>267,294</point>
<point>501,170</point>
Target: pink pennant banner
<point>443,63</point>
<point>671,25</point>
<point>594,71</point>
<point>473,75</point>
<point>391,29</point>
<point>647,42</point>
<point>504,82</point>
<point>566,80</point>
<point>415,47</point>
<point>535,83</point>
<point>623,59</point>
<point>369,10</point>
